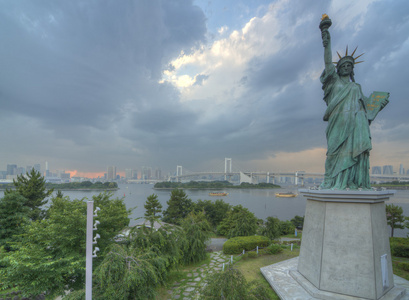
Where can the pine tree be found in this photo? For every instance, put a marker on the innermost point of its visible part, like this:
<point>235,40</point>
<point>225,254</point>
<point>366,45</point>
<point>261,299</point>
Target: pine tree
<point>13,216</point>
<point>32,187</point>
<point>153,209</point>
<point>179,206</point>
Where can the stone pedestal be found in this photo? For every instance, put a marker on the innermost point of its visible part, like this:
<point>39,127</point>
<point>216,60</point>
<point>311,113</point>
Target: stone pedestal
<point>345,246</point>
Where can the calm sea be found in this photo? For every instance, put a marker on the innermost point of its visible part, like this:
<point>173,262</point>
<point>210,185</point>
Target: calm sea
<point>262,203</point>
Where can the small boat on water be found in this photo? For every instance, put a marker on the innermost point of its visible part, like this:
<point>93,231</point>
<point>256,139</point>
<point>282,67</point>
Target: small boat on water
<point>218,194</point>
<point>286,195</point>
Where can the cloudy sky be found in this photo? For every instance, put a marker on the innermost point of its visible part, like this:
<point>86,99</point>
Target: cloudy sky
<point>161,83</point>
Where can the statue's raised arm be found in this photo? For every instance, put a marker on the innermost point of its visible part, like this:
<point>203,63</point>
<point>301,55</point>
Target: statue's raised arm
<point>326,39</point>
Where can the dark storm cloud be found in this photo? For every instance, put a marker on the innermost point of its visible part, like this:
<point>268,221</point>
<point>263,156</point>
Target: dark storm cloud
<point>78,62</point>
<point>82,81</point>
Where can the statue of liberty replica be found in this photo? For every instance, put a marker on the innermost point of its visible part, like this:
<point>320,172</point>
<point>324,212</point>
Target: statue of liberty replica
<point>345,251</point>
<point>349,114</point>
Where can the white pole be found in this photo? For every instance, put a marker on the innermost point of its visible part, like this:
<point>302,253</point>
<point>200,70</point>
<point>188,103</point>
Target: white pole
<point>291,246</point>
<point>88,266</point>
<point>223,267</point>
<point>231,259</point>
<point>257,249</point>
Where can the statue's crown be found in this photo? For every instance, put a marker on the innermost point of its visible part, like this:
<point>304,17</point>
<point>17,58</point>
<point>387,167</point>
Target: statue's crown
<point>348,58</point>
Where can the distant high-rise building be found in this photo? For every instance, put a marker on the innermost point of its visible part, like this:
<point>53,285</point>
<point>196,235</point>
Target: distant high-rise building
<point>65,177</point>
<point>158,173</point>
<point>47,171</point>
<point>401,170</point>
<point>146,173</point>
<point>387,170</point>
<point>29,168</point>
<point>37,167</point>
<point>134,174</point>
<point>11,169</point>
<point>128,173</point>
<point>376,170</point>
<point>111,173</point>
<point>21,171</point>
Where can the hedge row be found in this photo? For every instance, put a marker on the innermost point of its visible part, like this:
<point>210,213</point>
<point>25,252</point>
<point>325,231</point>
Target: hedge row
<point>399,247</point>
<point>236,245</point>
<point>401,265</point>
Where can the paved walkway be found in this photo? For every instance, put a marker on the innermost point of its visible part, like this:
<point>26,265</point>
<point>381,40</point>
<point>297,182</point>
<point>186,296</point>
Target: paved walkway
<point>189,288</point>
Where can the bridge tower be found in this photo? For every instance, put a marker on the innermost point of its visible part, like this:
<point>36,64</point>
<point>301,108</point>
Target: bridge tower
<point>227,167</point>
<point>178,172</point>
<point>299,175</point>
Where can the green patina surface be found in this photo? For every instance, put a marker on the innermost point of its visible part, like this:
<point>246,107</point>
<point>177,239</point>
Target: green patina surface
<point>349,114</point>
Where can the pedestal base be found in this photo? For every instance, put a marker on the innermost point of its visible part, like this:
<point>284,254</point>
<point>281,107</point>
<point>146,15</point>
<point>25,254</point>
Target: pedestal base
<point>345,244</point>
<point>280,277</point>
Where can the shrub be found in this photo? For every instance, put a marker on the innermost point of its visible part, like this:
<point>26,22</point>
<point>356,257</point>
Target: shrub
<point>286,227</point>
<point>399,247</point>
<point>238,244</point>
<point>252,254</point>
<point>274,249</point>
<point>231,284</point>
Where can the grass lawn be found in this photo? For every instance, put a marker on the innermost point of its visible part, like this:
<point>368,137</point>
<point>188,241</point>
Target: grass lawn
<point>398,269</point>
<point>250,267</point>
<point>292,235</point>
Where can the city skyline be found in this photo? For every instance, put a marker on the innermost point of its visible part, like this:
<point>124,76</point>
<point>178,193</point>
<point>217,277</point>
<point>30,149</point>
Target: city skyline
<point>87,86</point>
<point>148,172</point>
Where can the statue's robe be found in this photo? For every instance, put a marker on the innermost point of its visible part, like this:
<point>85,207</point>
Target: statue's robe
<point>348,135</point>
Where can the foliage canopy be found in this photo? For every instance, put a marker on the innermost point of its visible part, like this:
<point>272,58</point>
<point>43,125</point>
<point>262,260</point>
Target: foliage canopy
<point>50,256</point>
<point>32,187</point>
<point>179,206</point>
<point>394,217</point>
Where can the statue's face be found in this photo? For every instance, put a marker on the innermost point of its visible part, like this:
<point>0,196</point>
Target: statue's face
<point>345,69</point>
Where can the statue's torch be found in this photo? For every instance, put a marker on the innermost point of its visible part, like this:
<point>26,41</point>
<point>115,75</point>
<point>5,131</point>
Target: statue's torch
<point>325,22</point>
<point>324,25</point>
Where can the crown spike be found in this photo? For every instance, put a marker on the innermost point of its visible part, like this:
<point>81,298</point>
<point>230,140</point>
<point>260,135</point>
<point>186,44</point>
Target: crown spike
<point>339,55</point>
<point>358,62</point>
<point>359,56</point>
<point>346,51</point>
<point>354,51</point>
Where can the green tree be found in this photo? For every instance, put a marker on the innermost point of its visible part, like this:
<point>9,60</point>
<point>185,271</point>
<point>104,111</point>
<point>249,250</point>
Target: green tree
<point>168,241</point>
<point>238,222</point>
<point>59,194</point>
<point>126,273</point>
<point>179,206</point>
<point>298,222</point>
<point>134,270</point>
<point>153,209</point>
<point>231,285</point>
<point>197,231</point>
<point>86,184</point>
<point>394,217</point>
<point>51,253</point>
<point>32,187</point>
<point>13,216</point>
<point>215,211</point>
<point>286,227</point>
<point>113,217</point>
<point>271,228</point>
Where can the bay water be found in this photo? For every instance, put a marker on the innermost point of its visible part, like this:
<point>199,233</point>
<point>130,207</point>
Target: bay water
<point>262,202</point>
